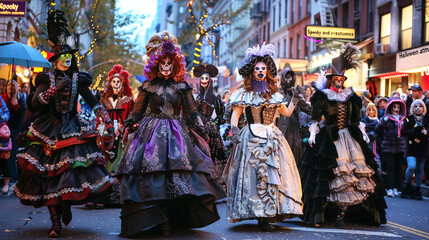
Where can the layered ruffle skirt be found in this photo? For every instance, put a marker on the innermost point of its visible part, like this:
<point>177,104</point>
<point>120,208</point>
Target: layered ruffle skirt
<point>352,183</point>
<point>166,174</point>
<point>262,177</point>
<point>61,162</point>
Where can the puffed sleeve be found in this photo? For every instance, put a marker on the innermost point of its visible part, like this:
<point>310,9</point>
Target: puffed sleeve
<point>42,83</point>
<point>318,102</point>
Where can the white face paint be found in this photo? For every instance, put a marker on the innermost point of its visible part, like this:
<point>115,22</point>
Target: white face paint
<point>260,71</point>
<point>205,80</point>
<point>418,109</point>
<point>116,85</point>
<point>396,108</point>
<point>165,66</point>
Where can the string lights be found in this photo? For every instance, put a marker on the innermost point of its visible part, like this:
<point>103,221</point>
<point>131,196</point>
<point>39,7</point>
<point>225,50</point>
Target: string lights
<point>204,32</point>
<point>95,29</point>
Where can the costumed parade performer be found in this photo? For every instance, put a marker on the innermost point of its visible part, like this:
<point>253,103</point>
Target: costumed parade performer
<point>207,103</point>
<point>118,101</point>
<point>63,164</point>
<point>337,165</point>
<point>166,178</point>
<point>261,174</point>
<point>290,126</point>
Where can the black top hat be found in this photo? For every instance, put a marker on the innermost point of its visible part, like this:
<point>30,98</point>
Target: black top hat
<point>60,38</point>
<point>345,61</point>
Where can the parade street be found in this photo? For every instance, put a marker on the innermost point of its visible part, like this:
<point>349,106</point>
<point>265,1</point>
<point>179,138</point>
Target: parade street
<point>407,219</point>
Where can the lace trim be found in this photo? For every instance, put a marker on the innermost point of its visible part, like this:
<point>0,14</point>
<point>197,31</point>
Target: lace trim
<point>242,98</point>
<point>339,97</point>
<point>52,167</point>
<point>42,137</point>
<point>63,191</point>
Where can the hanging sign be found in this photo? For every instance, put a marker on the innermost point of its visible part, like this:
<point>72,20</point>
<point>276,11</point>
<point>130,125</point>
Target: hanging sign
<point>329,32</point>
<point>412,58</point>
<point>12,8</point>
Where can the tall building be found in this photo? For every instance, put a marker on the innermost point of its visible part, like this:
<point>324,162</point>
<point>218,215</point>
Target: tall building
<point>288,20</point>
<point>401,39</point>
<point>355,14</point>
<point>235,38</point>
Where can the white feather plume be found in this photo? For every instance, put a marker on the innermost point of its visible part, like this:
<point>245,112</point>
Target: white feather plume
<point>321,80</point>
<point>261,50</point>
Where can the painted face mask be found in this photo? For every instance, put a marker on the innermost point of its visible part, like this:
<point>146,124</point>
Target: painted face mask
<point>205,80</point>
<point>338,81</point>
<point>260,71</point>
<point>418,110</point>
<point>65,59</point>
<point>396,108</point>
<point>165,66</point>
<point>116,85</point>
<point>4,132</point>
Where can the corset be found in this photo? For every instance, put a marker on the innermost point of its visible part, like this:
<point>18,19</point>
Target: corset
<point>205,109</point>
<point>342,115</point>
<point>165,103</point>
<point>66,97</point>
<point>264,115</point>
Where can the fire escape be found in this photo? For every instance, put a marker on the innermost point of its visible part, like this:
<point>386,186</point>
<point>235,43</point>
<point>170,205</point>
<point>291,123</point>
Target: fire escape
<point>327,17</point>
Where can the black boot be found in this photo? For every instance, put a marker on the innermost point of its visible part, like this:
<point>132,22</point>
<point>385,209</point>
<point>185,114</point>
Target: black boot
<point>417,194</point>
<point>406,193</point>
<point>66,213</point>
<point>55,230</point>
<point>339,221</point>
<point>264,225</point>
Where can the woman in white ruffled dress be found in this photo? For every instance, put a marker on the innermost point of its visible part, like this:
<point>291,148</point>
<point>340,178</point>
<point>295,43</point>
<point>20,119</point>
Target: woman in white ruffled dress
<point>262,179</point>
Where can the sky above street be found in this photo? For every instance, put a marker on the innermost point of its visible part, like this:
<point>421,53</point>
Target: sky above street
<point>144,7</point>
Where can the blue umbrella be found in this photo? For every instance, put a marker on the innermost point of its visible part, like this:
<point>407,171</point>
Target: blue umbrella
<point>16,53</point>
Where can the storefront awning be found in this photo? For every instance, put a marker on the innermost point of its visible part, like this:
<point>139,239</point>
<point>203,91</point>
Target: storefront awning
<point>297,65</point>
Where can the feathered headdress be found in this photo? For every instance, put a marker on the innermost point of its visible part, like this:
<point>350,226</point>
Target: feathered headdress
<point>117,71</point>
<point>261,53</point>
<point>345,61</point>
<point>59,37</point>
<point>179,65</point>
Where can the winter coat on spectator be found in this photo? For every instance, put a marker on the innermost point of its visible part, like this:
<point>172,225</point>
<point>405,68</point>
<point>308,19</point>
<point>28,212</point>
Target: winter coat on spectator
<point>393,141</point>
<point>412,129</point>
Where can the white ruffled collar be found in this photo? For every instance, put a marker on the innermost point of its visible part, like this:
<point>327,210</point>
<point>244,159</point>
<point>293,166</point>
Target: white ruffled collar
<point>242,98</point>
<point>339,96</point>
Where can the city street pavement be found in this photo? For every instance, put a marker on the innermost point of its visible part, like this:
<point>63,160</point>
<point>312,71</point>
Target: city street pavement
<point>407,219</point>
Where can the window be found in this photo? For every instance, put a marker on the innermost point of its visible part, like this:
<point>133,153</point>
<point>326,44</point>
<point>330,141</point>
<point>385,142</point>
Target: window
<point>299,10</point>
<point>263,36</point>
<point>274,19</point>
<point>370,21</point>
<point>292,12</point>
<point>290,47</point>
<point>426,26</point>
<point>307,48</point>
<point>298,42</point>
<point>385,29</point>
<point>406,26</point>
<point>280,14</point>
<point>285,48</point>
<point>346,15</point>
<point>286,9</point>
<point>278,49</point>
<point>308,9</point>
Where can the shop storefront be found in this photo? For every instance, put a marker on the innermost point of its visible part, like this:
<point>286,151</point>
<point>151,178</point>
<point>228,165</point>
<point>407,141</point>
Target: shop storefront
<point>415,63</point>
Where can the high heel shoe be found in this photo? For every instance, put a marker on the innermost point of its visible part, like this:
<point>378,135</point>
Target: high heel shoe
<point>264,225</point>
<point>339,221</point>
